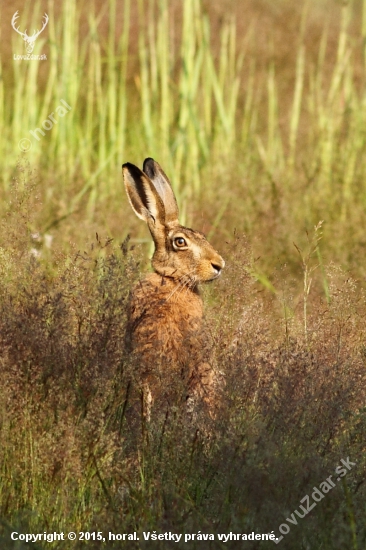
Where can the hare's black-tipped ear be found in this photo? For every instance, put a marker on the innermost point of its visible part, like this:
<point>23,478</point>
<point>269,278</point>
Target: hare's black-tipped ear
<point>162,184</point>
<point>143,197</point>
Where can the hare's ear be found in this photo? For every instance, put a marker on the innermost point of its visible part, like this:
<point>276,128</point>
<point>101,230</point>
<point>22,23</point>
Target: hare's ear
<point>162,184</point>
<point>143,197</point>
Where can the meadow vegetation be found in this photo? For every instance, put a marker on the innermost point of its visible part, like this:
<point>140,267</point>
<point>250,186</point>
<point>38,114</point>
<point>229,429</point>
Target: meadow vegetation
<point>263,136</point>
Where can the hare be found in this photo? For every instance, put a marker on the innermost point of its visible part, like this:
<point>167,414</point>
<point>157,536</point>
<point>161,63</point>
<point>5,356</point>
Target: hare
<point>164,331</point>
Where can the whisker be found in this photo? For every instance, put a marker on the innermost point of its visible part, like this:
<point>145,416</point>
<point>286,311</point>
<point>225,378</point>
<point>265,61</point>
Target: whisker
<point>174,290</point>
<point>182,283</point>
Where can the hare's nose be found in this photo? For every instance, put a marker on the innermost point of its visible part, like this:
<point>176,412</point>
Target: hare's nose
<point>217,267</point>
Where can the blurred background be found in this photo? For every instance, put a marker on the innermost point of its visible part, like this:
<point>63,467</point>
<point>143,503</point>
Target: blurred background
<point>255,109</point>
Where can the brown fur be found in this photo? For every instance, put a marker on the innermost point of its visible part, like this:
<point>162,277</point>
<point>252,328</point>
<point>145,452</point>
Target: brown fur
<point>165,333</point>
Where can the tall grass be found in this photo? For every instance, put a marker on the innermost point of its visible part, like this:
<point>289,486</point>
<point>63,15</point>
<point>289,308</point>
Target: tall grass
<point>203,105</point>
<point>177,106</point>
<point>72,456</point>
<point>245,156</point>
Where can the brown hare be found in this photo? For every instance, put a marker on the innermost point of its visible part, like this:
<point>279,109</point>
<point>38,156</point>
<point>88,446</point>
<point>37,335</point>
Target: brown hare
<point>164,332</point>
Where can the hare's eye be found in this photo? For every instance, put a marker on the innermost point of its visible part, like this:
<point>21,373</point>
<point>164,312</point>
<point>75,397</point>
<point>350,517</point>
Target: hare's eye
<point>180,242</point>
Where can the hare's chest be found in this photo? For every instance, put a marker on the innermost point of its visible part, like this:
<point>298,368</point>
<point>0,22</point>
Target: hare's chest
<point>164,317</point>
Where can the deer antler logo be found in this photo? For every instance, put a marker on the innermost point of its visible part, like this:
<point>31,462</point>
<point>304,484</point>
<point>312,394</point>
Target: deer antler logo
<point>29,40</point>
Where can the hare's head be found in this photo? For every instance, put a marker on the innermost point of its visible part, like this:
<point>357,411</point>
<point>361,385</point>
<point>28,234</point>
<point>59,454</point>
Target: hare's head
<point>180,253</point>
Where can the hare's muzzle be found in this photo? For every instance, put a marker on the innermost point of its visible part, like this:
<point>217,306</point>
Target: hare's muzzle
<point>217,266</point>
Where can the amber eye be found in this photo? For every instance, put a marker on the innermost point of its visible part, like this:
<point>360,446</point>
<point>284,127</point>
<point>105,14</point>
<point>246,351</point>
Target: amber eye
<point>180,242</point>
